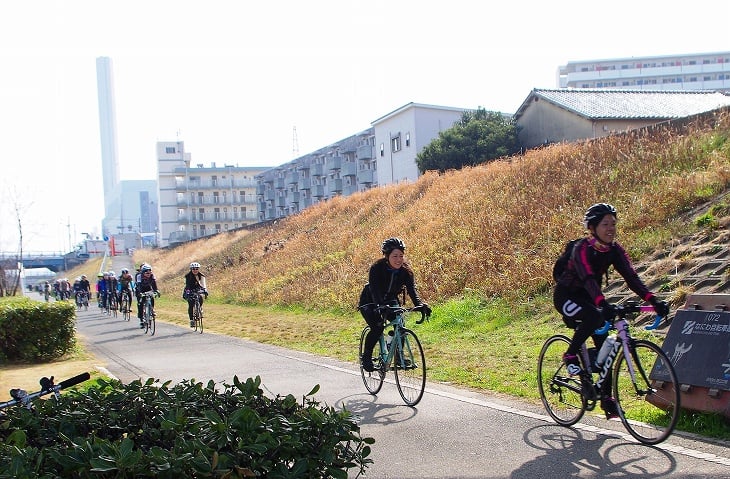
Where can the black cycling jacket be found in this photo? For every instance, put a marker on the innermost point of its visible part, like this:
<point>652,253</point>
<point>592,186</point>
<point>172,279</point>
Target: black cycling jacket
<point>386,283</point>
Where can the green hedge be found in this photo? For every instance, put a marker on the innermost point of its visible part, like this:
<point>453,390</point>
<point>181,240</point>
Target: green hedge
<point>183,431</point>
<point>34,330</point>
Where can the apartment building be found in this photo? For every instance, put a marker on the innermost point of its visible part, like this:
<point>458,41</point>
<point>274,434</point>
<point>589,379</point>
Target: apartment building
<point>702,71</point>
<point>342,168</point>
<point>197,201</point>
<point>383,154</point>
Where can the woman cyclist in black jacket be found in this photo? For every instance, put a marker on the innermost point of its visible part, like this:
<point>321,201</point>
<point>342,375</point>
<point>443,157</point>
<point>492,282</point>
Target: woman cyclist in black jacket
<point>386,279</point>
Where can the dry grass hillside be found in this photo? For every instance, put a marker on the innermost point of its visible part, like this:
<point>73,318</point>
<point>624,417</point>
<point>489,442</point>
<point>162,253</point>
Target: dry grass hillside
<point>494,229</point>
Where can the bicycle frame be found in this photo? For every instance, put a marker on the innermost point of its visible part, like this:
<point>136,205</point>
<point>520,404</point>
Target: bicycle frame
<point>397,324</point>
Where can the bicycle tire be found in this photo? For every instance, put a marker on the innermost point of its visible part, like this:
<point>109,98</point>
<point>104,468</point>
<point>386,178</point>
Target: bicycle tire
<point>650,410</point>
<point>198,317</point>
<point>560,393</point>
<point>147,315</point>
<point>125,308</point>
<point>409,363</point>
<point>113,305</point>
<point>373,380</point>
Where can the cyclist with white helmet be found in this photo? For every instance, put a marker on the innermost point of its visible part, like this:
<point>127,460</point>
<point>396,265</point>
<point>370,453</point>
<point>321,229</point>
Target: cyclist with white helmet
<point>386,279</point>
<point>194,284</point>
<point>111,288</point>
<point>578,296</point>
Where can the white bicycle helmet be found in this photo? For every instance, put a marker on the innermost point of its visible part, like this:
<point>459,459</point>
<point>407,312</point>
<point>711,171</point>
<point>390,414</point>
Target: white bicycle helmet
<point>194,265</point>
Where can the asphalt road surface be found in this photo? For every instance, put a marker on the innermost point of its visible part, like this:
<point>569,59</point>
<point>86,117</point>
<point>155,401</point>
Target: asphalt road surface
<point>452,433</point>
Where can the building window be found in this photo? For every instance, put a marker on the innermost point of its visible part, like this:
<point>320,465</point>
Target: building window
<point>201,214</point>
<point>170,150</point>
<point>408,139</point>
<point>217,213</point>
<point>200,197</point>
<point>382,150</point>
<point>242,196</point>
<point>395,143</point>
<point>216,200</point>
<point>214,180</point>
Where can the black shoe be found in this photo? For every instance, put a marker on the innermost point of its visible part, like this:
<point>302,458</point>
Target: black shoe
<point>610,407</point>
<point>192,323</point>
<point>367,365</point>
<point>141,325</point>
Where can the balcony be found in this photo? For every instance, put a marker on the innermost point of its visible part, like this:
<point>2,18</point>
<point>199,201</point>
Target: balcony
<point>318,191</point>
<point>365,152</point>
<point>317,170</point>
<point>293,178</point>
<point>365,177</point>
<point>279,183</point>
<point>336,186</point>
<point>349,168</point>
<point>334,163</point>
<point>304,184</point>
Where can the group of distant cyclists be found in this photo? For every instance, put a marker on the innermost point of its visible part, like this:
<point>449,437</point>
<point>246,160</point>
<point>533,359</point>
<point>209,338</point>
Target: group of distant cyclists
<point>111,289</point>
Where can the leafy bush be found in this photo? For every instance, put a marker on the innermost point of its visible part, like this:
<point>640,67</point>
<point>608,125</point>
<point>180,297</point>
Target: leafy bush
<point>36,331</point>
<point>186,430</point>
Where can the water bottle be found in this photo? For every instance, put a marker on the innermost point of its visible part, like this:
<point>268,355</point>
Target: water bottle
<point>388,340</point>
<point>605,349</point>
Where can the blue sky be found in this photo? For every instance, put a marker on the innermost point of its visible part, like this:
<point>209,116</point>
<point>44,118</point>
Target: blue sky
<point>233,79</point>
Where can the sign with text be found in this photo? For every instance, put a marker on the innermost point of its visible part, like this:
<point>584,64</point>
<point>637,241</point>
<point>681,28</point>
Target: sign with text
<point>698,344</point>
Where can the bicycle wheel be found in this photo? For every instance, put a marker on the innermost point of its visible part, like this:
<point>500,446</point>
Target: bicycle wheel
<point>198,317</point>
<point>560,393</point>
<point>125,307</point>
<point>113,305</point>
<point>648,407</point>
<point>147,315</point>
<point>373,380</point>
<point>410,367</point>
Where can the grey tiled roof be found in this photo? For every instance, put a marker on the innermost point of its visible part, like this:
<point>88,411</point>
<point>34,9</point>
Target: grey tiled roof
<point>630,104</point>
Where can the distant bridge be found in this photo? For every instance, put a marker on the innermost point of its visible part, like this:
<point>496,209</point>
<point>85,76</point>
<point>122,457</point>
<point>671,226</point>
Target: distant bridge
<point>54,261</point>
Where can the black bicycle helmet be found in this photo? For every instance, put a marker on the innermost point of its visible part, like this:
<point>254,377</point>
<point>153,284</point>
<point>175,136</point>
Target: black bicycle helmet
<point>595,213</point>
<point>393,243</point>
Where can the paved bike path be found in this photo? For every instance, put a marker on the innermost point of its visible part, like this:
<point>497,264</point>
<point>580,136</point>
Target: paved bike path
<point>452,433</point>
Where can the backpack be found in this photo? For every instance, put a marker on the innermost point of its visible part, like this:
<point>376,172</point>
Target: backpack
<point>562,262</point>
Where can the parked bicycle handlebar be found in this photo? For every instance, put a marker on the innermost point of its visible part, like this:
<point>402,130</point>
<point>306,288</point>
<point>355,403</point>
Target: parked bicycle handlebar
<point>47,387</point>
<point>623,310</point>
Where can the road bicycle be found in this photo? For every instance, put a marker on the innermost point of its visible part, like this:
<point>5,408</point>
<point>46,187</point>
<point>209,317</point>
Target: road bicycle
<point>125,306</point>
<point>399,350</point>
<point>644,382</point>
<point>82,300</point>
<point>197,312</point>
<point>23,398</point>
<point>148,312</point>
<point>112,303</point>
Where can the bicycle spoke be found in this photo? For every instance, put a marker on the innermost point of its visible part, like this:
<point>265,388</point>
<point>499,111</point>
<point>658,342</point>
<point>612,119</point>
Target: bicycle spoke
<point>648,403</point>
<point>560,393</point>
<point>410,367</point>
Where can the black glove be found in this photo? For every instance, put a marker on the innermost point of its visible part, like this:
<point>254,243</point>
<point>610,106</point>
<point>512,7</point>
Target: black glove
<point>661,308</point>
<point>157,293</point>
<point>608,310</point>
<point>205,292</point>
<point>424,308</point>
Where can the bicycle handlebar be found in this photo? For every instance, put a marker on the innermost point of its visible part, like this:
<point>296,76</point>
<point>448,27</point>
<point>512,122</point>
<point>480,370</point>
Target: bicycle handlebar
<point>401,310</point>
<point>47,387</point>
<point>631,307</point>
